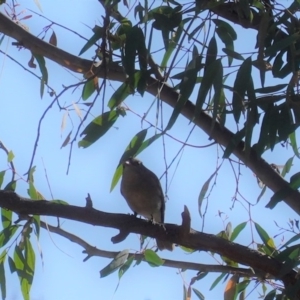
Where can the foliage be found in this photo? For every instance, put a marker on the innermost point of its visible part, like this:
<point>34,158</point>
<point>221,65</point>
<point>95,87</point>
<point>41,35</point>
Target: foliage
<point>247,103</point>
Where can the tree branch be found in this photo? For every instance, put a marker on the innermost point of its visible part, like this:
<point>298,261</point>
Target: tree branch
<point>171,232</point>
<point>94,251</point>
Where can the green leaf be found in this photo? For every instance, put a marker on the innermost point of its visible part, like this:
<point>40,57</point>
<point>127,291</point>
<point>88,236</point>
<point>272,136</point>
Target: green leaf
<point>291,240</point>
<point>261,193</point>
<point>173,42</point>
<point>278,196</point>
<point>233,54</point>
<point>131,150</point>
<point>218,279</point>
<point>117,175</point>
<point>293,141</point>
<point>152,258</point>
<point>295,181</point>
<point>36,223</point>
<point>98,33</point>
<point>126,266</point>
<point>2,277</point>
<point>97,128</point>
<point>6,217</point>
<point>10,156</point>
<point>269,242</point>
<point>186,86</point>
<point>271,89</point>
<point>212,52</point>
<point>240,87</point>
<point>229,29</point>
<point>88,88</point>
<point>206,84</point>
<point>166,17</point>
<point>6,234</point>
<point>130,51</point>
<point>236,139</point>
<point>282,44</point>
<point>24,273</point>
<point>203,191</point>
<point>123,91</point>
<point>11,186</point>
<point>237,230</point>
<point>2,173</point>
<point>115,264</point>
<point>198,294</point>
<point>271,295</point>
<point>290,253</point>
<point>42,65</point>
<point>148,142</point>
<point>219,92</point>
<point>59,202</point>
<point>287,167</point>
<point>227,39</point>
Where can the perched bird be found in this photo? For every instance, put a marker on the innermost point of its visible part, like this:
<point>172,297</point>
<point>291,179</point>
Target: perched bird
<point>142,190</point>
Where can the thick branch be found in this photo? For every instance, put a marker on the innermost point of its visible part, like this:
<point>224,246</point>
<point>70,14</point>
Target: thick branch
<point>173,233</point>
<point>221,135</point>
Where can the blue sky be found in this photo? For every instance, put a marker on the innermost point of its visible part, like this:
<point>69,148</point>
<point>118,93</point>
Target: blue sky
<point>61,273</point>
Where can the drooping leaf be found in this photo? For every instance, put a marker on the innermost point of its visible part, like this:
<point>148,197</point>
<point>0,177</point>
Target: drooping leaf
<point>7,233</point>
<point>283,43</point>
<point>287,166</point>
<point>203,192</point>
<point>2,274</point>
<point>227,34</point>
<point>42,65</point>
<point>98,33</point>
<point>198,294</point>
<point>219,92</point>
<point>89,88</point>
<point>11,186</point>
<point>131,150</point>
<point>122,92</point>
<point>236,139</point>
<point>295,181</point>
<point>152,258</point>
<point>206,84</point>
<point>126,266</point>
<point>115,264</point>
<point>97,128</point>
<point>271,89</point>
<point>186,87</point>
<point>130,51</point>
<point>6,217</point>
<point>166,17</point>
<point>269,242</point>
<point>240,87</point>
<point>233,54</point>
<point>237,230</point>
<point>293,141</point>
<point>24,261</point>
<point>2,174</point>
<point>278,196</point>
<point>218,279</point>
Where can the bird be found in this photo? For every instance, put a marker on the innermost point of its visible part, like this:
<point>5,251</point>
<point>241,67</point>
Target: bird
<point>142,190</point>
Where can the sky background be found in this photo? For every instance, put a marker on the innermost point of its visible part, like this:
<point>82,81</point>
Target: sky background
<point>61,273</point>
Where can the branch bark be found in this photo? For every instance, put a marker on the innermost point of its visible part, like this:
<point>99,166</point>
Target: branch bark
<point>173,233</point>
